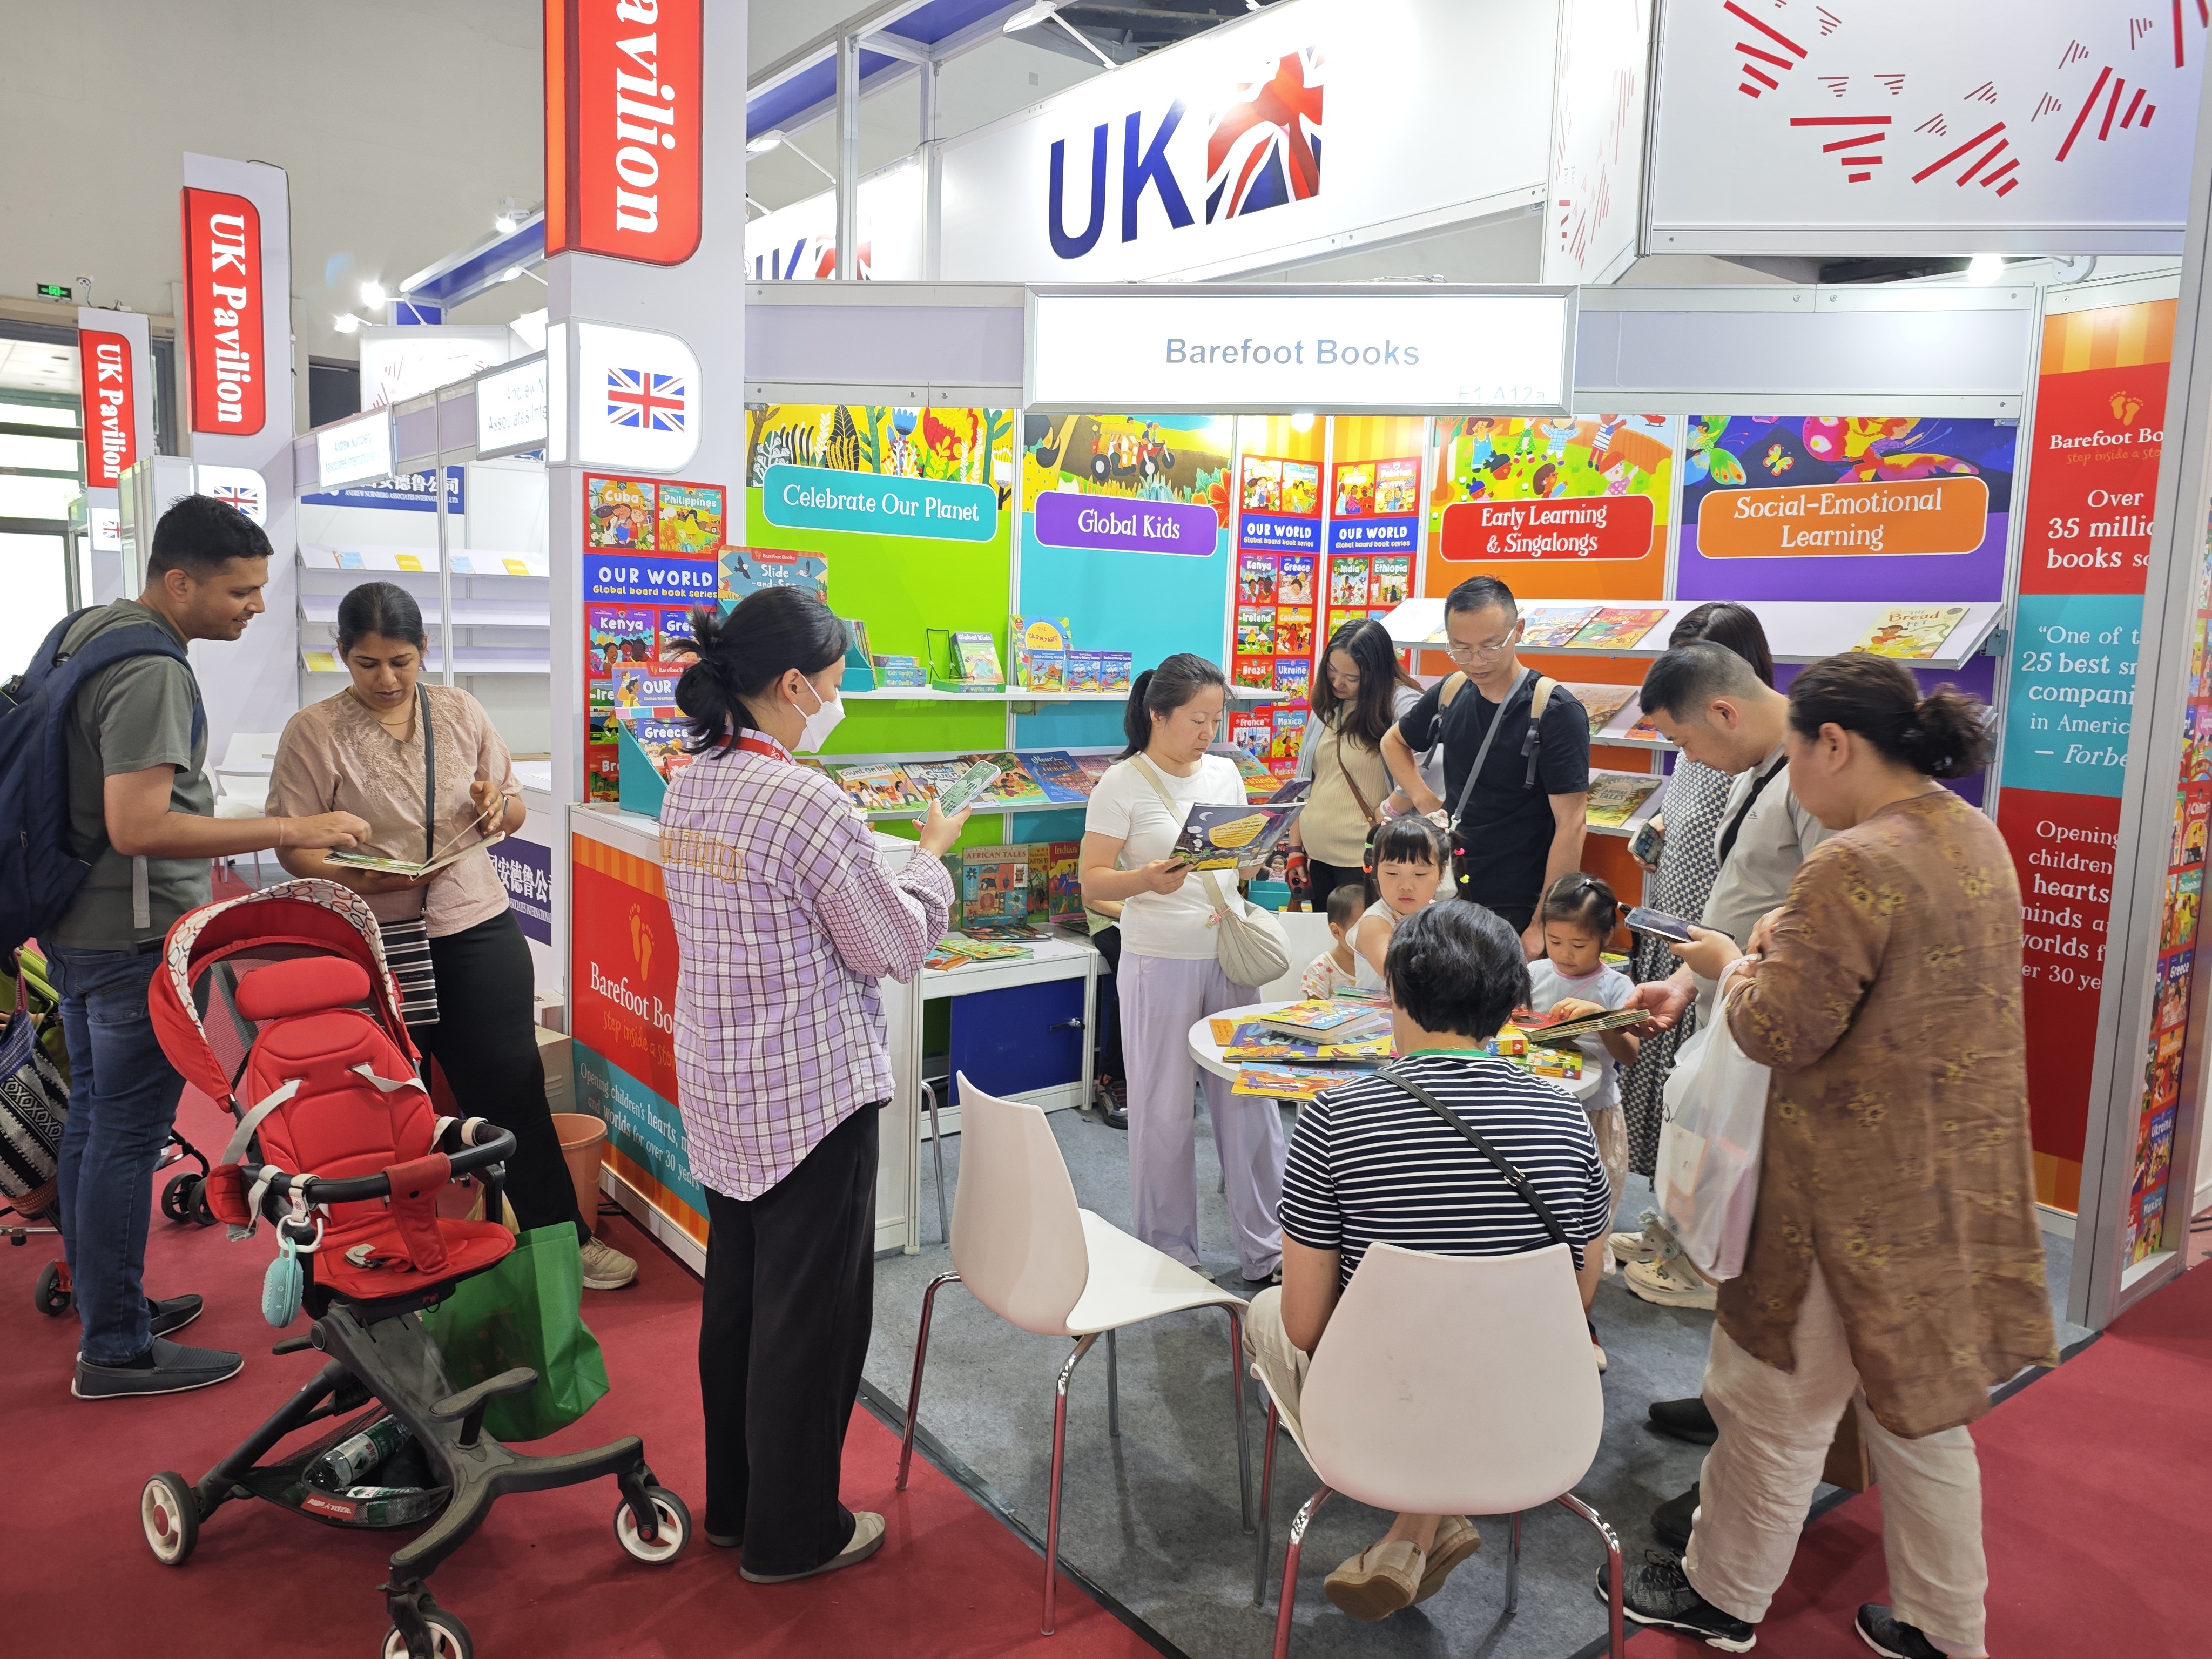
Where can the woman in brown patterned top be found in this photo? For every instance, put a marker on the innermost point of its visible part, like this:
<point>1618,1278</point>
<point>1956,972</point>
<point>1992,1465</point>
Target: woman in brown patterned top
<point>1894,1256</point>
<point>464,968</point>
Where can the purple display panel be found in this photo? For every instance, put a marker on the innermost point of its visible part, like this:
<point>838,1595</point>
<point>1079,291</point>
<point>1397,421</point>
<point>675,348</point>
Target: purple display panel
<point>1729,452</point>
<point>1124,525</point>
<point>1977,678</point>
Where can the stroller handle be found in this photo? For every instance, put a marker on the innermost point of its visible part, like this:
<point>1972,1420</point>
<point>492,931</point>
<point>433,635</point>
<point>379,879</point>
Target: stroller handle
<point>491,1154</point>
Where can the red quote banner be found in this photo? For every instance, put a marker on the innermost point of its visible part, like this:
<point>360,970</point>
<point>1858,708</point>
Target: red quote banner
<point>623,89</point>
<point>1562,531</point>
<point>109,376</point>
<point>223,313</point>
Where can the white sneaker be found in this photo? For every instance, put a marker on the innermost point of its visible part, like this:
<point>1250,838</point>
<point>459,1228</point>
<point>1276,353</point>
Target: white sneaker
<point>605,1268</point>
<point>1669,1284</point>
<point>1634,1247</point>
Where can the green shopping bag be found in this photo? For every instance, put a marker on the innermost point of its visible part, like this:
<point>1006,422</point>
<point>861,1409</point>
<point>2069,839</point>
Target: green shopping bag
<point>525,1311</point>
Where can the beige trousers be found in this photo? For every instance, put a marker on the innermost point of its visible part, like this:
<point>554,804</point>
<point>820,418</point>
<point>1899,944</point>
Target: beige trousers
<point>1282,1363</point>
<point>1757,1482</point>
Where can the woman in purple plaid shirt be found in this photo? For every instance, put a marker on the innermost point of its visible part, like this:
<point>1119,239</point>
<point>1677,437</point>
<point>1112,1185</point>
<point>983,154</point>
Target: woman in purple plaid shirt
<point>786,918</point>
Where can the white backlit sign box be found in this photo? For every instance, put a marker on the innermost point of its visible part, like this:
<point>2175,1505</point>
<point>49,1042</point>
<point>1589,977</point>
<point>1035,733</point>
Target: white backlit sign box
<point>358,449</point>
<point>511,409</point>
<point>1272,349</point>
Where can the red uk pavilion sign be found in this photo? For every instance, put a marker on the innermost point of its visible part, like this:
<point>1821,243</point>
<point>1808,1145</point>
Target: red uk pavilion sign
<point>111,406</point>
<point>223,315</point>
<point>622,128</point>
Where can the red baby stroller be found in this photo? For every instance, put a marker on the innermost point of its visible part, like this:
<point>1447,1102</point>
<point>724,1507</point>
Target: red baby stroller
<point>351,1156</point>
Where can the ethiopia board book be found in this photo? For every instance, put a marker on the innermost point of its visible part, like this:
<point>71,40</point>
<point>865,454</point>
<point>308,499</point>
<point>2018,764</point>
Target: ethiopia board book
<point>1553,624</point>
<point>1614,797</point>
<point>691,518</point>
<point>1911,630</point>
<point>994,885</point>
<point>1222,837</point>
<point>878,787</point>
<point>1388,579</point>
<point>1058,776</point>
<point>1599,702</point>
<point>1618,627</point>
<point>618,513</point>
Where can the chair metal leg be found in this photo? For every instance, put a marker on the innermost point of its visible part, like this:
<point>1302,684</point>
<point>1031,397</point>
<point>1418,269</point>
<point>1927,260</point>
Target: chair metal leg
<point>1113,1387</point>
<point>1059,1442</point>
<point>1613,1602</point>
<point>937,1156</point>
<point>1513,1568</point>
<point>1290,1594</point>
<point>920,1353</point>
<point>1236,1362</point>
<point>1267,1487</point>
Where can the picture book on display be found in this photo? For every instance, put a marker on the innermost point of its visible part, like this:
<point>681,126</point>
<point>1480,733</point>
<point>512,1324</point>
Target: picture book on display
<point>1390,579</point>
<point>1256,631</point>
<point>1601,702</point>
<point>1013,785</point>
<point>1259,781</point>
<point>1252,1040</point>
<point>1553,624</point>
<point>1064,902</point>
<point>1095,767</point>
<point>1616,797</point>
<point>995,886</point>
<point>1911,630</point>
<point>1040,647</point>
<point>1294,631</point>
<point>1293,674</point>
<point>977,655</point>
<point>1058,776</point>
<point>1255,579</point>
<point>1319,1014</point>
<point>933,777</point>
<point>879,787</point>
<point>1347,581</point>
<point>1083,671</point>
<point>1552,1029</point>
<point>691,518</point>
<point>1290,732</point>
<point>1222,837</point>
<point>1397,488</point>
<point>1620,627</point>
<point>1287,1082</point>
<point>621,513</point>
<point>1251,731</point>
<point>1256,672</point>
<point>1294,579</point>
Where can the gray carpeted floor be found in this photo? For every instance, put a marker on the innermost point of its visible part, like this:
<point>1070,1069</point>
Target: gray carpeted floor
<point>1152,1519</point>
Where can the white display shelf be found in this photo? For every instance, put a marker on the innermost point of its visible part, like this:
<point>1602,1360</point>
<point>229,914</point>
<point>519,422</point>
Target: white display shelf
<point>1617,729</point>
<point>467,613</point>
<point>467,562</point>
<point>1797,630</point>
<point>1020,694</point>
<point>465,662</point>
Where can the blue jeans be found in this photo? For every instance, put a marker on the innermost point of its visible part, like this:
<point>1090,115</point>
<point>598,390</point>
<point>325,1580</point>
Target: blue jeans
<point>123,1099</point>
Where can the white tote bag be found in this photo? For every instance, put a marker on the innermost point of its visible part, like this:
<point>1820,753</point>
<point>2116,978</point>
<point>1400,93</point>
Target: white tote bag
<point>1709,1145</point>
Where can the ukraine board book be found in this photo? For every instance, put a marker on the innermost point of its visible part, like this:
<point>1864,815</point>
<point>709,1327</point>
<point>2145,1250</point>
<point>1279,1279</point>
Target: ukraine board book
<point>1912,631</point>
<point>1618,627</point>
<point>1616,797</point>
<point>1222,837</point>
<point>1040,646</point>
<point>1293,674</point>
<point>1545,625</point>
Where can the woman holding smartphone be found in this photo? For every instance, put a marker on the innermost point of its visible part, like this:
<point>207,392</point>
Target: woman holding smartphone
<point>1170,977</point>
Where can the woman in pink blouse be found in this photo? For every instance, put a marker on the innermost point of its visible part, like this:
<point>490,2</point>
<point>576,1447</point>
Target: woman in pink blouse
<point>785,919</point>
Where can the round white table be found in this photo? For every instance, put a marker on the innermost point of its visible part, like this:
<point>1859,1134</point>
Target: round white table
<point>1207,1053</point>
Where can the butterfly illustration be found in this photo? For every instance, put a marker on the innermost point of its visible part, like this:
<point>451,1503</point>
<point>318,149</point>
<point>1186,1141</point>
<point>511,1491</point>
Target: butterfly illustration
<point>1779,461</point>
<point>1707,458</point>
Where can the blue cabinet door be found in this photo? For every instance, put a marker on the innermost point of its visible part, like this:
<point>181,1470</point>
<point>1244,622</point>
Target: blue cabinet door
<point>1025,1037</point>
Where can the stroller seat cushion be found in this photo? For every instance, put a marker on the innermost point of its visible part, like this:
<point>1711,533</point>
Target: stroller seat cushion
<point>366,1259</point>
<point>305,987</point>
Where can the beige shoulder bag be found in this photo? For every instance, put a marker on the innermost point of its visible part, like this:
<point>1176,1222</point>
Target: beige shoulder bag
<point>1253,948</point>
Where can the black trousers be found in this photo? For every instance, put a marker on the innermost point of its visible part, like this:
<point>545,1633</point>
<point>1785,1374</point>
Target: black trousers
<point>1328,877</point>
<point>1108,941</point>
<point>486,1043</point>
<point>784,1323</point>
<point>1515,916</point>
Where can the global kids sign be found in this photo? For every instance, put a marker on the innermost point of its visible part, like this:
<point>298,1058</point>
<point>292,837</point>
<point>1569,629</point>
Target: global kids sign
<point>224,312</point>
<point>623,91</point>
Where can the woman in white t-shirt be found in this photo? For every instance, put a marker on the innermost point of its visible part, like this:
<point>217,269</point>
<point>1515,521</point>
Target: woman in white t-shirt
<point>1169,976</point>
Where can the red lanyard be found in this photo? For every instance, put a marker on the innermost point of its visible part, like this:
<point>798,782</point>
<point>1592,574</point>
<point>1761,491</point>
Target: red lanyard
<point>754,744</point>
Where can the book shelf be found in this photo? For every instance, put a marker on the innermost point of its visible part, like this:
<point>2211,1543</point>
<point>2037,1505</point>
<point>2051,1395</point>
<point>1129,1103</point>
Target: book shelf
<point>1017,694</point>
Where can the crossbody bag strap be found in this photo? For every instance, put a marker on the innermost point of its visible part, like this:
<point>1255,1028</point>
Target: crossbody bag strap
<point>1544,686</point>
<point>1514,1178</point>
<point>1482,754</point>
<point>1350,782</point>
<point>1734,826</point>
<point>429,773</point>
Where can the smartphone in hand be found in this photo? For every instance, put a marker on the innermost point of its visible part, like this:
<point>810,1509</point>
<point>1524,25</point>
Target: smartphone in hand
<point>1646,841</point>
<point>1659,924</point>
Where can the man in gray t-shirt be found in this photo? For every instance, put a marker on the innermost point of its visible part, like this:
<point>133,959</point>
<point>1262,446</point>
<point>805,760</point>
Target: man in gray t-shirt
<point>141,815</point>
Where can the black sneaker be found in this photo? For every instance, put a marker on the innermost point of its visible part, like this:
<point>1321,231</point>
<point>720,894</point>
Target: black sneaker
<point>172,1368</point>
<point>1686,1419</point>
<point>1656,1594</point>
<point>1111,1096</point>
<point>172,1314</point>
<point>1885,1632</point>
<point>1670,1521</point>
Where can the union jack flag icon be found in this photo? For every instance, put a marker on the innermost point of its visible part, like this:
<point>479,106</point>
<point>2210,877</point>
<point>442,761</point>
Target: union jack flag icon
<point>1265,149</point>
<point>244,499</point>
<point>644,401</point>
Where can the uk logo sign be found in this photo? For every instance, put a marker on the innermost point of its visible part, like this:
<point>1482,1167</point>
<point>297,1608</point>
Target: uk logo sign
<point>639,397</point>
<point>1265,149</point>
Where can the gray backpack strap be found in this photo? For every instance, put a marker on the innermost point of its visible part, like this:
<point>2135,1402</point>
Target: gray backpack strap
<point>1545,687</point>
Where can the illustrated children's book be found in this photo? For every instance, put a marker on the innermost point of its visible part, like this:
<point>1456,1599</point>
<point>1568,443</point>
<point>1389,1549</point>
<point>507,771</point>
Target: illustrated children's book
<point>2189,830</point>
<point>1294,630</point>
<point>1057,774</point>
<point>618,635</point>
<point>879,787</point>
<point>1553,624</point>
<point>1014,786</point>
<point>1041,644</point>
<point>995,886</point>
<point>1601,702</point>
<point>977,656</point>
<point>1290,732</point>
<point>1259,781</point>
<point>1095,767</point>
<point>1397,488</point>
<point>1293,674</point>
<point>1390,579</point>
<point>1263,484</point>
<point>1294,579</point>
<point>1347,581</point>
<point>1115,670</point>
<point>1255,579</point>
<point>1355,489</point>
<point>1256,672</point>
<point>1911,630</point>
<point>618,513</point>
<point>1343,1020</point>
<point>1252,730</point>
<point>1222,837</point>
<point>1287,1082</point>
<point>1620,627</point>
<point>692,519</point>
<point>1255,631</point>
<point>1065,902</point>
<point>1300,491</point>
<point>1083,671</point>
<point>1616,797</point>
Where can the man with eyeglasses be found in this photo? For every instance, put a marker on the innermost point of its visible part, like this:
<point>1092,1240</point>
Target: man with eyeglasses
<point>1518,776</point>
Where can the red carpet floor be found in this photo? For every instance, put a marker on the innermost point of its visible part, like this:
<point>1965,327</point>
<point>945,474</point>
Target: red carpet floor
<point>2094,1548</point>
<point>543,1577</point>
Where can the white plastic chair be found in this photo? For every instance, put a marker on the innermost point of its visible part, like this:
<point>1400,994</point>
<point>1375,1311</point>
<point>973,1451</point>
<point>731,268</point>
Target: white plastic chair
<point>1029,1254</point>
<point>249,758</point>
<point>1448,1385</point>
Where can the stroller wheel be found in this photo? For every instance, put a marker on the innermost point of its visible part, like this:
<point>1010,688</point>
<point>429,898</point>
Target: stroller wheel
<point>449,1638</point>
<point>202,1213</point>
<point>169,1509</point>
<point>52,1297</point>
<point>670,1520</point>
<point>178,1195</point>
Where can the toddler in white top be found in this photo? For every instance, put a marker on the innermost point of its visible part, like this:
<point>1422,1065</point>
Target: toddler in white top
<point>1578,914</point>
<point>1406,865</point>
<point>1337,967</point>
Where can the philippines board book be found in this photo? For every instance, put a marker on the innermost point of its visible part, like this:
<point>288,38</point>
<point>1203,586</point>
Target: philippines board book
<point>1911,630</point>
<point>1222,837</point>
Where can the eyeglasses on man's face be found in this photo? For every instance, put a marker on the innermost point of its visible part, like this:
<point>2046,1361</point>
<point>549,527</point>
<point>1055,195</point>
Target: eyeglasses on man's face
<point>1488,651</point>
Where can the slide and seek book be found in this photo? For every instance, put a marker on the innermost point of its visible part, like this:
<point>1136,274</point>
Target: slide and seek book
<point>1222,837</point>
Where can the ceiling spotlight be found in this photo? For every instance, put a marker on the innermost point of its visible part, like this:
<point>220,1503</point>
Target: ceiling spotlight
<point>1029,17</point>
<point>767,142</point>
<point>509,219</point>
<point>510,273</point>
<point>503,223</point>
<point>347,324</point>
<point>1984,268</point>
<point>1301,422</point>
<point>372,294</point>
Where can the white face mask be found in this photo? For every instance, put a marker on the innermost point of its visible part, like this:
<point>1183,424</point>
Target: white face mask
<point>821,723</point>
